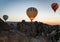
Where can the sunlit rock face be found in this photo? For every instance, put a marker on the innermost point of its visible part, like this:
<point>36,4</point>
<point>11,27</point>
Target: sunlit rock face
<point>18,37</point>
<point>29,32</point>
<point>15,35</point>
<point>1,20</point>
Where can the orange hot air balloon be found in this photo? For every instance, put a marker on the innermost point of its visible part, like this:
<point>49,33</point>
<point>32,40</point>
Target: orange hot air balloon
<point>54,6</point>
<point>32,13</point>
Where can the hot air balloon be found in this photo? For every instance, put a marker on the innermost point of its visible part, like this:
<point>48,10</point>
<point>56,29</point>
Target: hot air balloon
<point>5,17</point>
<point>31,13</point>
<point>54,6</point>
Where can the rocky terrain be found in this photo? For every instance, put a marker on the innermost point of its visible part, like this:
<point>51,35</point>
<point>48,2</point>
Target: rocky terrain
<point>29,32</point>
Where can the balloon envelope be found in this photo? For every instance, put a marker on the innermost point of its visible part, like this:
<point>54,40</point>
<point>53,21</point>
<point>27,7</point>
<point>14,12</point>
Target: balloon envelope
<point>32,13</point>
<point>5,17</point>
<point>54,6</point>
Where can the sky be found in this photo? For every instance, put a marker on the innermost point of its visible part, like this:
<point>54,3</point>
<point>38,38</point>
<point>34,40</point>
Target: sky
<point>16,10</point>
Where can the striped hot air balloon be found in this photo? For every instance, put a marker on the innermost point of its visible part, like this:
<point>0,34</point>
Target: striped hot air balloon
<point>54,6</point>
<point>31,13</point>
<point>5,17</point>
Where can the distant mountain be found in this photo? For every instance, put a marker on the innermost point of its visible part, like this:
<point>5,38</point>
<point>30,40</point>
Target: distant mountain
<point>12,23</point>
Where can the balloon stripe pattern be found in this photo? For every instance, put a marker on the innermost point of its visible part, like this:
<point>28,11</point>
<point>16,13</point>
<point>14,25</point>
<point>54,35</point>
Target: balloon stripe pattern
<point>54,6</point>
<point>32,13</point>
<point>5,17</point>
